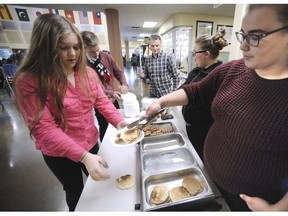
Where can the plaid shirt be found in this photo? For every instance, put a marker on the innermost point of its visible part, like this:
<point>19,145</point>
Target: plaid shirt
<point>162,74</point>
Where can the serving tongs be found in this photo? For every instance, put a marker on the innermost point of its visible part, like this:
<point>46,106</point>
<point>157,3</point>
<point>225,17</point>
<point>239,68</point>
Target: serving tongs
<point>140,126</point>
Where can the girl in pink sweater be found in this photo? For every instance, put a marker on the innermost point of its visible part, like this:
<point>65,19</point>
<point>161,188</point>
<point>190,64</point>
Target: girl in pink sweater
<point>56,94</point>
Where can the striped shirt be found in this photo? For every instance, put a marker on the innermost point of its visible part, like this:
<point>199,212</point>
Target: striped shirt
<point>162,74</point>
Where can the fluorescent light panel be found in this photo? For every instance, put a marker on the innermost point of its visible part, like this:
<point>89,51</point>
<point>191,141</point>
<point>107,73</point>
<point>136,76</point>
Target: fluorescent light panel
<point>148,24</point>
<point>144,35</point>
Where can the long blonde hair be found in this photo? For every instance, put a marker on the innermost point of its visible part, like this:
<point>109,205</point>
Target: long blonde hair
<point>43,61</point>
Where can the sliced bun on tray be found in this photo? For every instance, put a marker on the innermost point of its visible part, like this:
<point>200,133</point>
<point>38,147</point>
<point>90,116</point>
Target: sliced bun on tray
<point>192,185</point>
<point>125,182</point>
<point>159,195</point>
<point>178,193</point>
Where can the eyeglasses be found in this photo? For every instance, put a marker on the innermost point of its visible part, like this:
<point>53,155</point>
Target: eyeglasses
<point>254,39</point>
<point>195,52</point>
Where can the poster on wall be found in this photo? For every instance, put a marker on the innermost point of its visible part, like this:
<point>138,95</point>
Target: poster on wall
<point>229,31</point>
<point>203,27</point>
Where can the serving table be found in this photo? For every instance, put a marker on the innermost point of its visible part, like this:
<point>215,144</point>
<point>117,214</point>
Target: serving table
<point>105,196</point>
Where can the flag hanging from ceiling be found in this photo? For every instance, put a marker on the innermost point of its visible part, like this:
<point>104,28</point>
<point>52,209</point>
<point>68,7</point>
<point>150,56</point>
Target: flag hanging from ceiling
<point>37,11</point>
<point>8,24</point>
<point>53,11</point>
<point>69,15</point>
<point>22,14</point>
<point>4,12</point>
<point>83,17</point>
<point>97,18</point>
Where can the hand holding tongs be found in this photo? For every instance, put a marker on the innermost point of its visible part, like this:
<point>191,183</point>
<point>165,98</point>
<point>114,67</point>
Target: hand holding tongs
<point>148,120</point>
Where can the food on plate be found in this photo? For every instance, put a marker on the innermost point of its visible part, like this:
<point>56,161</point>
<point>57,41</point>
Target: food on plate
<point>157,129</point>
<point>178,193</point>
<point>118,139</point>
<point>159,195</point>
<point>125,182</point>
<point>128,136</point>
<point>192,185</point>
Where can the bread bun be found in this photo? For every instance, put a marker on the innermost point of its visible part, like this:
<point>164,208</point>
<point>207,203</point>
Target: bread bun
<point>178,193</point>
<point>125,182</point>
<point>159,194</point>
<point>192,185</point>
<point>128,136</point>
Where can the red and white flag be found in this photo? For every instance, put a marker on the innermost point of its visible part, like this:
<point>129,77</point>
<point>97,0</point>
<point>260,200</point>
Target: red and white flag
<point>97,18</point>
<point>69,15</point>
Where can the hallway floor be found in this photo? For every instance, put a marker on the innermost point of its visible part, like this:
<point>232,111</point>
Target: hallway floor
<point>26,183</point>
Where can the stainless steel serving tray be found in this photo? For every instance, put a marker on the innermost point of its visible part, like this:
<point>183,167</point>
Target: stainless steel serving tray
<point>173,179</point>
<point>162,142</point>
<point>168,160</point>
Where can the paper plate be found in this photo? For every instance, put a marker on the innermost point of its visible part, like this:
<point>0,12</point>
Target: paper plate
<point>123,144</point>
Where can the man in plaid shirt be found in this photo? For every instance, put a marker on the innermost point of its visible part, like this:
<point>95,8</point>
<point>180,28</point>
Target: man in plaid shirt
<point>159,69</point>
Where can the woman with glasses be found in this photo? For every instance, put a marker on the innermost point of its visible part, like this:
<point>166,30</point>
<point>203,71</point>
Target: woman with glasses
<point>246,148</point>
<point>198,119</point>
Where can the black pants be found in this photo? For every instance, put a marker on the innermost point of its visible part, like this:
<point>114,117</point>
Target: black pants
<point>69,173</point>
<point>103,124</point>
<point>197,138</point>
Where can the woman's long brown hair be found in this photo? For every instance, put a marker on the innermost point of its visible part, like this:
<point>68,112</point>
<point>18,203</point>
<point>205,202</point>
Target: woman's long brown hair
<point>43,61</point>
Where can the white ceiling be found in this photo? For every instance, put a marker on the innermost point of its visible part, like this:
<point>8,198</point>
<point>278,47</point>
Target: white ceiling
<point>133,15</point>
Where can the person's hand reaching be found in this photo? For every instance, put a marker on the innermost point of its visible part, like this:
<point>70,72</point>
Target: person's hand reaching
<point>117,95</point>
<point>152,108</point>
<point>124,89</point>
<point>141,75</point>
<point>122,124</point>
<point>256,203</point>
<point>94,165</point>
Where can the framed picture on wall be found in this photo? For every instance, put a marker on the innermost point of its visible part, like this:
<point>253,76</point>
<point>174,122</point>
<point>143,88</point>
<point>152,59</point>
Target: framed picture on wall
<point>203,27</point>
<point>229,32</point>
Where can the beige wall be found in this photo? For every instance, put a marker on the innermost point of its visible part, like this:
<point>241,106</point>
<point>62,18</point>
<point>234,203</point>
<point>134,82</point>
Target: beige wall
<point>235,48</point>
<point>186,19</point>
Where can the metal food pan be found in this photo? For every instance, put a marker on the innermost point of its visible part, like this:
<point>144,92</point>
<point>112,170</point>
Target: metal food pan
<point>164,161</point>
<point>171,180</point>
<point>162,142</point>
<point>160,128</point>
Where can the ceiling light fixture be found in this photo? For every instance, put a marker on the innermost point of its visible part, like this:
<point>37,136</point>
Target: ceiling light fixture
<point>144,35</point>
<point>148,24</point>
